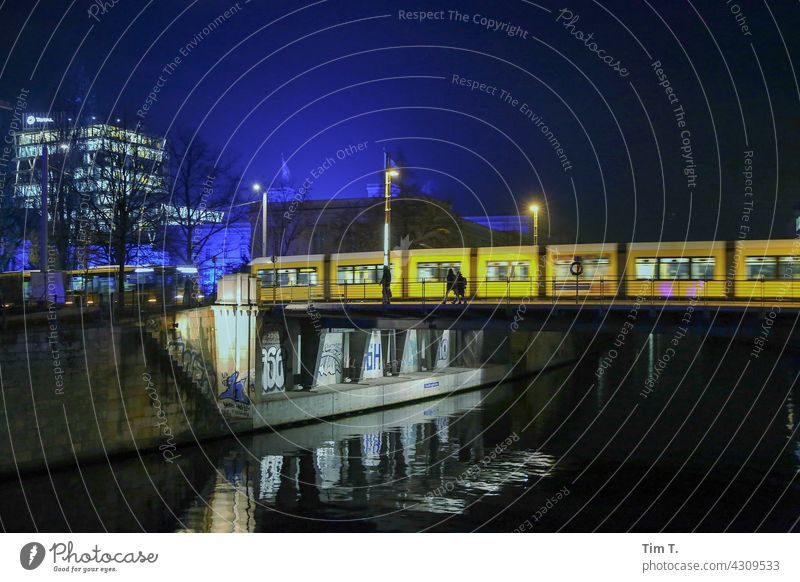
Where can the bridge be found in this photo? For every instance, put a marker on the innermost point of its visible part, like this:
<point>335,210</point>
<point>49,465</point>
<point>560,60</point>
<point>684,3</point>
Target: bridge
<point>778,320</point>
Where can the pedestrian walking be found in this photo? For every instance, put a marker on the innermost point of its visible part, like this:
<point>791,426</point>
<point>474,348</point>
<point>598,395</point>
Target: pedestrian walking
<point>461,288</point>
<point>451,281</point>
<point>386,285</point>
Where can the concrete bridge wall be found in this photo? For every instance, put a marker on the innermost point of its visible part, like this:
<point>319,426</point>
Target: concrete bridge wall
<point>97,389</point>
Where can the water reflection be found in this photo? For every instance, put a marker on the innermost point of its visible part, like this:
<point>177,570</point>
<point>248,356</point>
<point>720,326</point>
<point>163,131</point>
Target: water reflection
<point>691,455</point>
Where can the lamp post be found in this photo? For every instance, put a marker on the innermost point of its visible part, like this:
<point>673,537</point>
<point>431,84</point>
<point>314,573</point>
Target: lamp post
<point>257,188</point>
<point>388,172</point>
<point>534,208</point>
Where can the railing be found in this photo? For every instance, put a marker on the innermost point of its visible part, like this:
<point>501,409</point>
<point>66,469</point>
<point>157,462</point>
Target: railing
<point>556,290</point>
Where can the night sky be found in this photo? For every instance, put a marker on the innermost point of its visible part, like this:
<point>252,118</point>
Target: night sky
<point>308,79</point>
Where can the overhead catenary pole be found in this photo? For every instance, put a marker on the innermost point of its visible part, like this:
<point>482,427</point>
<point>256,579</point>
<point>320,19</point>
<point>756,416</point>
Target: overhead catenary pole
<point>264,201</point>
<point>387,210</point>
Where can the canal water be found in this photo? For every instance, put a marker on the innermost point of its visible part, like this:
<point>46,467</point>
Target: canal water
<point>631,440</point>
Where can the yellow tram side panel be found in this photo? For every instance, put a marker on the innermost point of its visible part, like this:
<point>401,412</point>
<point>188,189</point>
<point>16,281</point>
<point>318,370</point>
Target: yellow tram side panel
<point>432,290</point>
<point>605,284</point>
<point>680,288</point>
<point>110,271</point>
<point>268,294</point>
<point>361,291</point>
<point>752,289</point>
<point>481,287</point>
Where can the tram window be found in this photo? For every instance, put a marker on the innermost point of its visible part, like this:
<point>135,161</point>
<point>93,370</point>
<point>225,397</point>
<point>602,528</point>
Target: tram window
<point>790,267</point>
<point>646,268</point>
<point>497,271</point>
<point>673,268</point>
<point>433,272</point>
<point>288,277</point>
<point>307,276</point>
<point>359,274</point>
<point>561,268</point>
<point>76,283</point>
<point>761,267</point>
<point>595,267</point>
<point>592,267</point>
<point>503,270</point>
<point>703,268</point>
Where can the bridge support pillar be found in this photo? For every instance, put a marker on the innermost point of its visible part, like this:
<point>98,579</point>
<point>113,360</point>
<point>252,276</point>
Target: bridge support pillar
<point>444,345</point>
<point>330,358</point>
<point>411,352</point>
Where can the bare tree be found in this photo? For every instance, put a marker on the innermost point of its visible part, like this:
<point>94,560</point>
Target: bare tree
<point>201,184</point>
<point>127,185</point>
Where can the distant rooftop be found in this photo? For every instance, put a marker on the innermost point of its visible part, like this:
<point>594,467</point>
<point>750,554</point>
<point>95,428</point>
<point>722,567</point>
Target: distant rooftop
<point>510,222</point>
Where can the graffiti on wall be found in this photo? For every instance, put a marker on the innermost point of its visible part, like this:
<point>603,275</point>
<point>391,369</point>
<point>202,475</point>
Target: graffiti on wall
<point>273,365</point>
<point>330,363</point>
<point>234,401</point>
<point>195,364</point>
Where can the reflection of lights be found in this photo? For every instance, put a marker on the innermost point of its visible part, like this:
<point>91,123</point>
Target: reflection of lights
<point>187,270</point>
<point>152,300</point>
<point>143,270</point>
<point>270,476</point>
<point>179,296</point>
<point>90,302</point>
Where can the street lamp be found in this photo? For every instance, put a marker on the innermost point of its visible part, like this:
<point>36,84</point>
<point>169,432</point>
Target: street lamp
<point>388,173</point>
<point>534,208</point>
<point>257,188</point>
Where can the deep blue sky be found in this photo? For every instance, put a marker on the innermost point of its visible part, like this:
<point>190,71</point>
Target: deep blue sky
<point>258,85</point>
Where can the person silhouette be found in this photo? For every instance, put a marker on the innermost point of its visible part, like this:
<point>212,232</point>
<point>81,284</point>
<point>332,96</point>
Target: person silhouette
<point>386,285</point>
<point>451,281</point>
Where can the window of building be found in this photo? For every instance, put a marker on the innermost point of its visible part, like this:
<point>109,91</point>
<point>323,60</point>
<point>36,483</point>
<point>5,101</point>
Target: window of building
<point>292,277</point>
<point>435,272</point>
<point>761,267</point>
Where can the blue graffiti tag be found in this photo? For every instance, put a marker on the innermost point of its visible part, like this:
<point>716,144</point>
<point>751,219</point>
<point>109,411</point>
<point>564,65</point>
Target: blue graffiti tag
<point>234,390</point>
